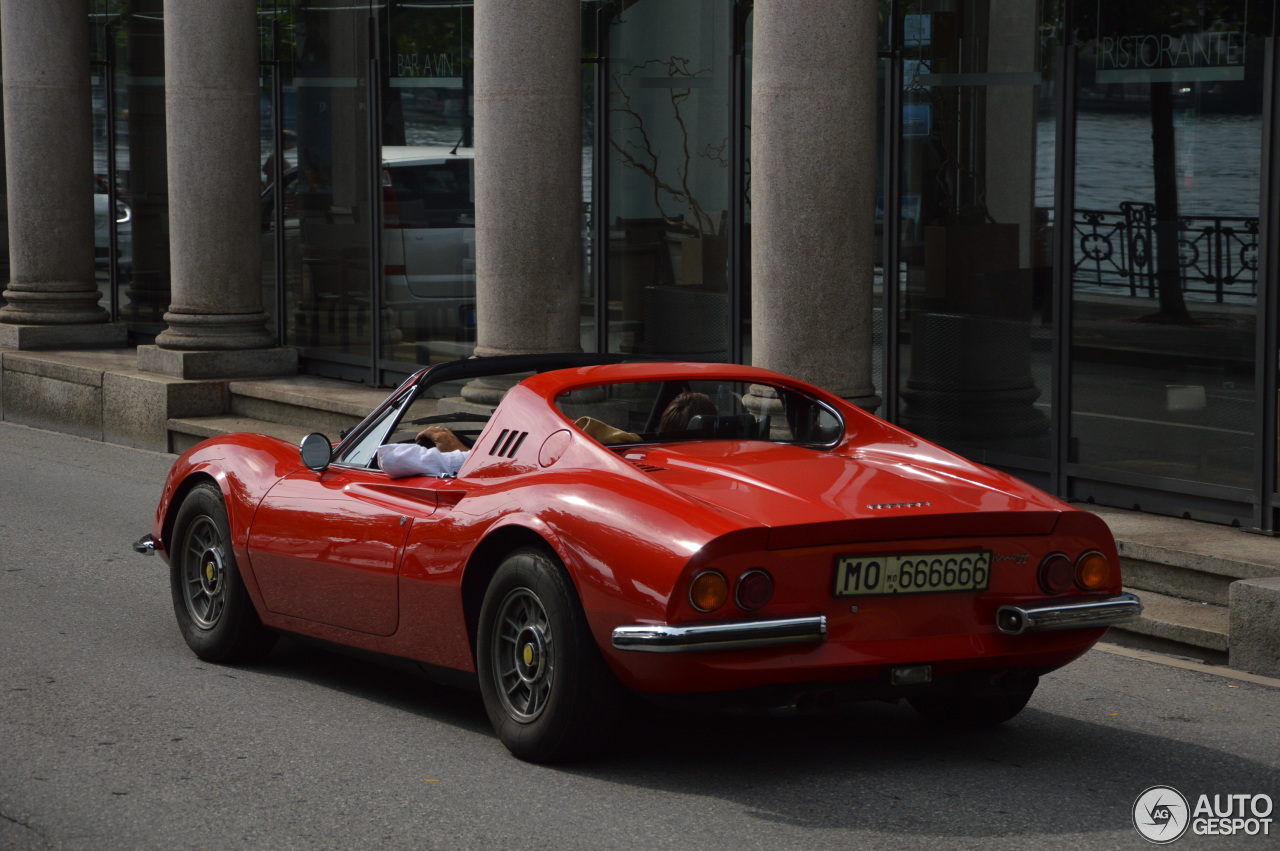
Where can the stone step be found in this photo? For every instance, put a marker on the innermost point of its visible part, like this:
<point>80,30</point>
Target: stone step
<point>188,431</point>
<point>316,404</point>
<point>1184,572</point>
<point>1185,558</point>
<point>1189,573</point>
<point>1172,623</point>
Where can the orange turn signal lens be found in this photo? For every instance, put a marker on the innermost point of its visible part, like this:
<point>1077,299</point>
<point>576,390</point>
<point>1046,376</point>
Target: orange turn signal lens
<point>1093,571</point>
<point>709,591</point>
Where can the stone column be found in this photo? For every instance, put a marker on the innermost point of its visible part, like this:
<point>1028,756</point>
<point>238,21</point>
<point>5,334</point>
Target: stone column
<point>813,178</point>
<point>528,105</point>
<point>217,326</point>
<point>52,297</point>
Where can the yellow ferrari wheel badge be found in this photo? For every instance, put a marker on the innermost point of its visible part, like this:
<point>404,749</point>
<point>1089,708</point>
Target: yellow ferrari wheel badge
<point>528,654</point>
<point>208,571</point>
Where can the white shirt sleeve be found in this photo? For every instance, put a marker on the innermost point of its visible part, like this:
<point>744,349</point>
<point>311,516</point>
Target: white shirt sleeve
<point>398,460</point>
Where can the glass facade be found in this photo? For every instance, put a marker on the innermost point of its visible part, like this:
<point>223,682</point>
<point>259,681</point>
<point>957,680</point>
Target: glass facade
<point>1076,245</point>
<point>667,151</point>
<point>368,219</point>
<point>977,128</point>
<point>131,184</point>
<point>1164,269</point>
<point>428,280</point>
<point>1072,202</point>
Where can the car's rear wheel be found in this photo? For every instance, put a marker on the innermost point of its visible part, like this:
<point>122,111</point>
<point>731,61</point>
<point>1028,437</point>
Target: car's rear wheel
<point>214,612</point>
<point>547,691</point>
<point>976,706</point>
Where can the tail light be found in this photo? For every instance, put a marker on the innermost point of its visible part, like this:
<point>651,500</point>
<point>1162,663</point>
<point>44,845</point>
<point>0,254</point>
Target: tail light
<point>1056,573</point>
<point>755,590</point>
<point>390,206</point>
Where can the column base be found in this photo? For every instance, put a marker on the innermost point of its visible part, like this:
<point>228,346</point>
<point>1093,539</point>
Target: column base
<point>100,335</point>
<point>52,303</point>
<point>200,332</point>
<point>870,404</point>
<point>233,363</point>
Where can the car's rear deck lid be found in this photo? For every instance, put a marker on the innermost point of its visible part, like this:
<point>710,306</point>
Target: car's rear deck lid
<point>906,527</point>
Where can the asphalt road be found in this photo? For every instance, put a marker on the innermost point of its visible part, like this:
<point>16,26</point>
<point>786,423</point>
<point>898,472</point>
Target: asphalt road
<point>113,736</point>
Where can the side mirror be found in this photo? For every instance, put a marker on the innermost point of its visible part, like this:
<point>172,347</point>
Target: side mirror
<point>317,452</point>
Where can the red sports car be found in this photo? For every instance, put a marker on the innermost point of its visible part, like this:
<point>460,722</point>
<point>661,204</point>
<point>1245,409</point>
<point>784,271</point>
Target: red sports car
<point>700,534</point>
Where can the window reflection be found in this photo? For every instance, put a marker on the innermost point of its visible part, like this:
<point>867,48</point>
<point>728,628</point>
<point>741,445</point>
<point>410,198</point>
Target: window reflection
<point>978,124</point>
<point>1164,240</point>
<point>131,185</point>
<point>669,92</point>
<point>428,185</point>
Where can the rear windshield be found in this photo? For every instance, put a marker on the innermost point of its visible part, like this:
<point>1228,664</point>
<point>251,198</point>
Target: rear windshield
<point>666,411</point>
<point>439,195</point>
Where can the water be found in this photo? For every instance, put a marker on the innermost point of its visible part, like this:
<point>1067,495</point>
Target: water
<point>1219,162</point>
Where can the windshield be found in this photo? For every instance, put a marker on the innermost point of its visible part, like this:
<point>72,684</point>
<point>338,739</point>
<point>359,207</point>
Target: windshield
<point>677,410</point>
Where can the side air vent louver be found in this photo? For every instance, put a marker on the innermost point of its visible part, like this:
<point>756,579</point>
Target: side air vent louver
<point>508,443</point>
<point>648,468</point>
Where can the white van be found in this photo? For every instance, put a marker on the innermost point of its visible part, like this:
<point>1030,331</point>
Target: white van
<point>428,247</point>
<point>429,236</point>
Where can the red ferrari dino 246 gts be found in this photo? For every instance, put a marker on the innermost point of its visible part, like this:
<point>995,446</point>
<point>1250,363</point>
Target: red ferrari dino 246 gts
<point>705,534</point>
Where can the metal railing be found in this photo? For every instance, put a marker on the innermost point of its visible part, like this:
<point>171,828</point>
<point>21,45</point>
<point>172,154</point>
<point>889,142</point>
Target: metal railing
<point>1115,251</point>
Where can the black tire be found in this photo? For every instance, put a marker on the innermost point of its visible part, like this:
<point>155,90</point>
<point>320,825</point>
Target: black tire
<point>548,692</point>
<point>215,615</point>
<point>972,707</point>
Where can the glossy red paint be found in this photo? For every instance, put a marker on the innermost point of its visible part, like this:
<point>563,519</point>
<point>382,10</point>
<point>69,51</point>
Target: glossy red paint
<point>351,556</point>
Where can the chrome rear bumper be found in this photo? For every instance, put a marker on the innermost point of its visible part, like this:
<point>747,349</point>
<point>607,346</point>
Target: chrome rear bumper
<point>1011,620</point>
<point>661,638</point>
<point>145,545</point>
<point>1017,620</point>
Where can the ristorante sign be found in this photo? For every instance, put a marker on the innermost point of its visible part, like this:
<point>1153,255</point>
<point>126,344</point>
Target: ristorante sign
<point>1216,54</point>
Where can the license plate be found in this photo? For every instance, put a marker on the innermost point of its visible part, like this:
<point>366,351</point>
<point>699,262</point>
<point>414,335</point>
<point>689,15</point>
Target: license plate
<point>921,573</point>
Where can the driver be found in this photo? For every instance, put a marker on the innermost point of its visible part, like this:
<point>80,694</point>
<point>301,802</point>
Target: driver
<point>437,452</point>
<point>682,409</point>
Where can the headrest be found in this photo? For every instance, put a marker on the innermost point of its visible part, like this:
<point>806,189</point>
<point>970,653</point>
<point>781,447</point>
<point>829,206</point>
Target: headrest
<point>605,433</point>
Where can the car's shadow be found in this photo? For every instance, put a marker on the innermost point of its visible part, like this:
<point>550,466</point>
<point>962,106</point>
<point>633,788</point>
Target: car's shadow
<point>877,768</point>
<point>383,681</point>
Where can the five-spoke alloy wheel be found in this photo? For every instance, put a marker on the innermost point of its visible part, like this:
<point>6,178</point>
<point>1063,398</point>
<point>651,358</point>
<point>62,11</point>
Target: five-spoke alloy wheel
<point>214,611</point>
<point>547,691</point>
<point>204,573</point>
<point>522,655</point>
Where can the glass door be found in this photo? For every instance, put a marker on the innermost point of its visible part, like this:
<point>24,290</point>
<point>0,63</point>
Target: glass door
<point>131,184</point>
<point>427,250</point>
<point>368,214</point>
<point>1164,253</point>
<point>970,207</point>
<point>331,306</point>
<point>668,148</point>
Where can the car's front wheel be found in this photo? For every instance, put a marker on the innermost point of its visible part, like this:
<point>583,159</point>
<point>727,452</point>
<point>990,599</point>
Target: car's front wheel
<point>548,693</point>
<point>214,612</point>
